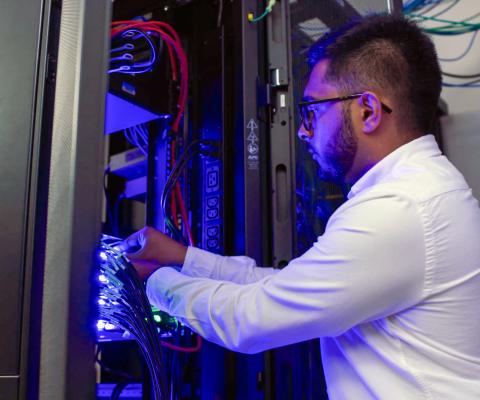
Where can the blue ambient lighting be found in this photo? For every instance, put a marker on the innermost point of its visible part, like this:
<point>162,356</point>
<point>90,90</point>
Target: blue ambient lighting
<point>109,326</point>
<point>102,256</point>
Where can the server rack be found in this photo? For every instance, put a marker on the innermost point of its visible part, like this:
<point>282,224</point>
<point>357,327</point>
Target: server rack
<point>55,165</point>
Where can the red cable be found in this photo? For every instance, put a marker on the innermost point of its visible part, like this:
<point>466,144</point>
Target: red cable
<point>194,349</point>
<point>136,24</point>
<point>159,23</point>
<point>183,213</point>
<point>173,204</point>
<point>183,68</point>
<point>175,42</point>
<point>168,42</point>
<point>182,100</point>
<point>178,193</point>
<point>183,83</point>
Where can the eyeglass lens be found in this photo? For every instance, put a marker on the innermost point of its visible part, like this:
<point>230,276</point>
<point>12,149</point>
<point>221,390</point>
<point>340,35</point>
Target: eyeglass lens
<point>312,111</point>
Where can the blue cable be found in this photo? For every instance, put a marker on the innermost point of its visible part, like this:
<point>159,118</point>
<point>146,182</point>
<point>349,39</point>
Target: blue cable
<point>414,4</point>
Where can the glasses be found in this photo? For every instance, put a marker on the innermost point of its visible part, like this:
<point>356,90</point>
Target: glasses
<point>309,110</point>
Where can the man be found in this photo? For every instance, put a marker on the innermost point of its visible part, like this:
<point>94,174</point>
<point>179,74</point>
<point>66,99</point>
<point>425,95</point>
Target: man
<point>392,287</point>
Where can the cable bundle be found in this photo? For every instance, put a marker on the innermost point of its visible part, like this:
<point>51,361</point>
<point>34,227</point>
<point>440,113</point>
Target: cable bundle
<point>132,52</point>
<point>417,10</point>
<point>179,66</point>
<point>123,302</point>
<point>174,47</point>
<point>138,136</point>
<point>203,147</point>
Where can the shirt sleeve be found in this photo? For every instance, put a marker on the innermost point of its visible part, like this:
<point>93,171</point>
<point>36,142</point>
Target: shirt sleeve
<point>370,263</point>
<point>238,269</point>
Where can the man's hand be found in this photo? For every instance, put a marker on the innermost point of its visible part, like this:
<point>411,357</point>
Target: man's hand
<point>149,249</point>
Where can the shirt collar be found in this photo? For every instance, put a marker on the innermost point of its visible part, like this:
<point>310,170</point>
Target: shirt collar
<point>422,147</point>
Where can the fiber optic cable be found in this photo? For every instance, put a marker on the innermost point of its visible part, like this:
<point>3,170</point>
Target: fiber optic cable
<point>251,18</point>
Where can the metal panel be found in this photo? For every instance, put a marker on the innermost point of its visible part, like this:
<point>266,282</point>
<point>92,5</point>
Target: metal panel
<point>74,202</point>
<point>395,6</point>
<point>253,143</point>
<point>18,60</point>
<point>36,224</point>
<point>282,135</point>
<point>8,387</point>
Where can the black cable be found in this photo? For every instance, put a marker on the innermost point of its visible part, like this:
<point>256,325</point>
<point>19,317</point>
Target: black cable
<point>195,147</point>
<point>192,149</point>
<point>176,171</point>
<point>124,303</point>
<point>473,76</point>
<point>121,374</point>
<point>117,390</point>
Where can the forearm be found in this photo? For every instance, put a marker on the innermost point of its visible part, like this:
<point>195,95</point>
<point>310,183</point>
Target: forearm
<point>242,270</point>
<point>350,276</point>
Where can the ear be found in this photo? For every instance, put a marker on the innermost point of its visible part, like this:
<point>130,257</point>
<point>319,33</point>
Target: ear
<point>371,111</point>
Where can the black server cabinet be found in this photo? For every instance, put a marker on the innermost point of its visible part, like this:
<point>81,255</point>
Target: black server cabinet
<point>52,60</point>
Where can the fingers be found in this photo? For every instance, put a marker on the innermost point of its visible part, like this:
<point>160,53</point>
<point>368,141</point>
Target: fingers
<point>124,245</point>
<point>151,245</point>
<point>135,249</point>
<point>132,244</point>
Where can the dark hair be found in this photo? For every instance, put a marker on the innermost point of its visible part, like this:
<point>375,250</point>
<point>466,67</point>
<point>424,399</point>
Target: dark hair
<point>389,54</point>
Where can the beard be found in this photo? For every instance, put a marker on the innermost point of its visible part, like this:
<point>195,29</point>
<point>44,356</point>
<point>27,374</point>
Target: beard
<point>339,153</point>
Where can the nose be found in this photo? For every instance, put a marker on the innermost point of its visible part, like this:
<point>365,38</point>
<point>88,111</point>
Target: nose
<point>303,134</point>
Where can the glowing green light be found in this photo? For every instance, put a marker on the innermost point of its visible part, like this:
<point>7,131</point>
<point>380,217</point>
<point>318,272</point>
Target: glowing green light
<point>157,318</point>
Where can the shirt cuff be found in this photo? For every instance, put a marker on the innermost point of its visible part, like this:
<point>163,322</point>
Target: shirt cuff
<point>199,263</point>
<point>159,284</point>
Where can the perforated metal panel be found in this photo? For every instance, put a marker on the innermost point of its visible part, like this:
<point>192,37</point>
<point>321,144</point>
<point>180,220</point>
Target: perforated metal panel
<point>74,200</point>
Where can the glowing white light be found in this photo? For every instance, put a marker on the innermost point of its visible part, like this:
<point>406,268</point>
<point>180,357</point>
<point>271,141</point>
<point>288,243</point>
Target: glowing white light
<point>109,326</point>
<point>100,325</point>
<point>102,278</point>
<point>102,255</point>
<point>101,302</point>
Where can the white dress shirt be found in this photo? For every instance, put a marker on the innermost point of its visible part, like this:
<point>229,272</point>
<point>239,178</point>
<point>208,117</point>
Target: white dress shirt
<point>392,287</point>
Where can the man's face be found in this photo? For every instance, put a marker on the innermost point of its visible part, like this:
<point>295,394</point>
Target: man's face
<point>332,142</point>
